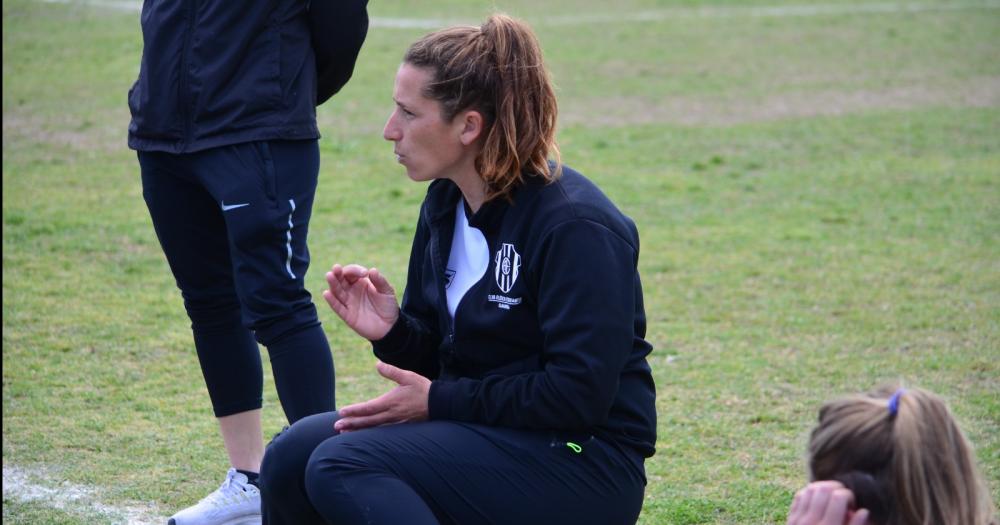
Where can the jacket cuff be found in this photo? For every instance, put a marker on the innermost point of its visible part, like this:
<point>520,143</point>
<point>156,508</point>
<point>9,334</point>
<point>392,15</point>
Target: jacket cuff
<point>439,399</point>
<point>392,341</point>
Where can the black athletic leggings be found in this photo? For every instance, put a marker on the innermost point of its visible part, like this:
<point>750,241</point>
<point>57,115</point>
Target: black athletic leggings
<point>232,222</point>
<point>445,472</point>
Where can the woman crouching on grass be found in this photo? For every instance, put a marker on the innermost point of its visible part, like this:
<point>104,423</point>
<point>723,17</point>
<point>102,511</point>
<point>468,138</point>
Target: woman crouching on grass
<point>524,395</point>
<point>895,458</point>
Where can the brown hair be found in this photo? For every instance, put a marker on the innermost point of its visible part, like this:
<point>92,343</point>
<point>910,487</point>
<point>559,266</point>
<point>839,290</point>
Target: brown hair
<point>907,460</point>
<point>497,70</point>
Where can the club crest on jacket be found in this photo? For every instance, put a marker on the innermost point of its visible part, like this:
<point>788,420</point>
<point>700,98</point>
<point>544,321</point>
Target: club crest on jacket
<point>508,264</point>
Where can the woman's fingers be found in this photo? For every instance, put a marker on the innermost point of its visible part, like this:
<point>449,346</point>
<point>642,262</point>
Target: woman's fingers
<point>338,288</point>
<point>860,517</point>
<point>382,285</point>
<point>353,272</point>
<point>837,506</point>
<point>823,503</point>
<point>338,307</point>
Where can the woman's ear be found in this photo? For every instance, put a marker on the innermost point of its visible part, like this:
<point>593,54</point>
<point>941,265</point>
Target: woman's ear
<point>472,127</point>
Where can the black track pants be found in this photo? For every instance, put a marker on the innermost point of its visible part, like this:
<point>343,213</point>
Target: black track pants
<point>445,472</point>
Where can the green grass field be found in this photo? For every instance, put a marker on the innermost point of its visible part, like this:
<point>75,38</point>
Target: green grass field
<point>817,193</point>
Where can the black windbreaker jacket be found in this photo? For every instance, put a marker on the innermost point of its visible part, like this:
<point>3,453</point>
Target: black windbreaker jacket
<point>552,336</point>
<point>219,72</point>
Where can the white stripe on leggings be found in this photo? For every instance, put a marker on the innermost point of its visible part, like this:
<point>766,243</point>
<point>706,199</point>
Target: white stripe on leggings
<point>288,245</point>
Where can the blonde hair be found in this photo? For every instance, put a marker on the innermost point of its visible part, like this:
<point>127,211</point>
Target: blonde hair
<point>497,70</point>
<point>905,459</point>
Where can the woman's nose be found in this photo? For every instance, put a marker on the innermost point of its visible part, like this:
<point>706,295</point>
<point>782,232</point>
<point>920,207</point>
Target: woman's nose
<point>391,131</point>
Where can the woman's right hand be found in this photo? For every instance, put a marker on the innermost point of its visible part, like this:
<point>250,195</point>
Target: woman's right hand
<point>363,298</point>
<point>825,503</point>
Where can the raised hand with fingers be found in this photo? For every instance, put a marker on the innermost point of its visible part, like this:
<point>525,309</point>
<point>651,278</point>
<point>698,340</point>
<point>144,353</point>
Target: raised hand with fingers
<point>407,402</point>
<point>825,503</point>
<point>363,298</point>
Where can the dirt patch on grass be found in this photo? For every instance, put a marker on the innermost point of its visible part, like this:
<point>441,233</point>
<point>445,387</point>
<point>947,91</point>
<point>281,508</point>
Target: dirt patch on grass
<point>694,111</point>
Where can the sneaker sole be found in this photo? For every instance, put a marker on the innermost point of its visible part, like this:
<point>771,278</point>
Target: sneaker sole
<point>250,520</point>
<point>245,520</point>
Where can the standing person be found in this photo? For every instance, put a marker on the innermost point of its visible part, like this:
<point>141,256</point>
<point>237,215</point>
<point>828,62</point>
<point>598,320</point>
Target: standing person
<point>891,458</point>
<point>524,394</point>
<point>224,122</point>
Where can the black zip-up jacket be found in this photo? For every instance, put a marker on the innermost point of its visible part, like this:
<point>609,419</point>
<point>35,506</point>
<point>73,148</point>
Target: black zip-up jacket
<point>552,336</point>
<point>220,72</point>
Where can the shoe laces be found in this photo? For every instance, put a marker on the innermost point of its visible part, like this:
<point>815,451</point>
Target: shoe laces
<point>231,492</point>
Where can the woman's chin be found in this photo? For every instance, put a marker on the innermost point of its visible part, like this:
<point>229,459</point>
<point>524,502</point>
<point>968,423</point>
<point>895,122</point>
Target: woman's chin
<point>417,176</point>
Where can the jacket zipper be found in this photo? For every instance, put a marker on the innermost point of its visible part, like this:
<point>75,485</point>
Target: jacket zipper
<point>453,321</point>
<point>183,95</point>
<point>436,265</point>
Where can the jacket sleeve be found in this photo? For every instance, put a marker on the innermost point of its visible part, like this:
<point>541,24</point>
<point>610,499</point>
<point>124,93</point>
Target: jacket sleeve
<point>586,308</point>
<point>338,30</point>
<point>413,341</point>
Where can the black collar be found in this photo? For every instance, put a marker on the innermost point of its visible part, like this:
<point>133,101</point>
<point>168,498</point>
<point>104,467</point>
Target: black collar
<point>443,195</point>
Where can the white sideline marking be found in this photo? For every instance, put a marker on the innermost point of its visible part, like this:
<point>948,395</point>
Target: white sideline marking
<point>655,15</point>
<point>74,499</point>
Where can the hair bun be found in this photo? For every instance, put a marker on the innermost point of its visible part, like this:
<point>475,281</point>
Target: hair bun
<point>869,493</point>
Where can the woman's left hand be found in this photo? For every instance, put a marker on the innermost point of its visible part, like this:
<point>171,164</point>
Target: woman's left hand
<point>405,403</point>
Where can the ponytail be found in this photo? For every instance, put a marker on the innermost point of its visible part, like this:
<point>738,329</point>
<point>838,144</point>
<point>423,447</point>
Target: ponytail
<point>934,465</point>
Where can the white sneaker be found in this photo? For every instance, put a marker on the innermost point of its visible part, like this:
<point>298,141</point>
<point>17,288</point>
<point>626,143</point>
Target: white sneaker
<point>236,502</point>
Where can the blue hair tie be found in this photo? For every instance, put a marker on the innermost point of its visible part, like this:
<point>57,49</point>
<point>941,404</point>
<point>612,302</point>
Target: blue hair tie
<point>894,402</point>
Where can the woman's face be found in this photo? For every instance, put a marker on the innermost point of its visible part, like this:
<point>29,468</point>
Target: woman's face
<point>428,146</point>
